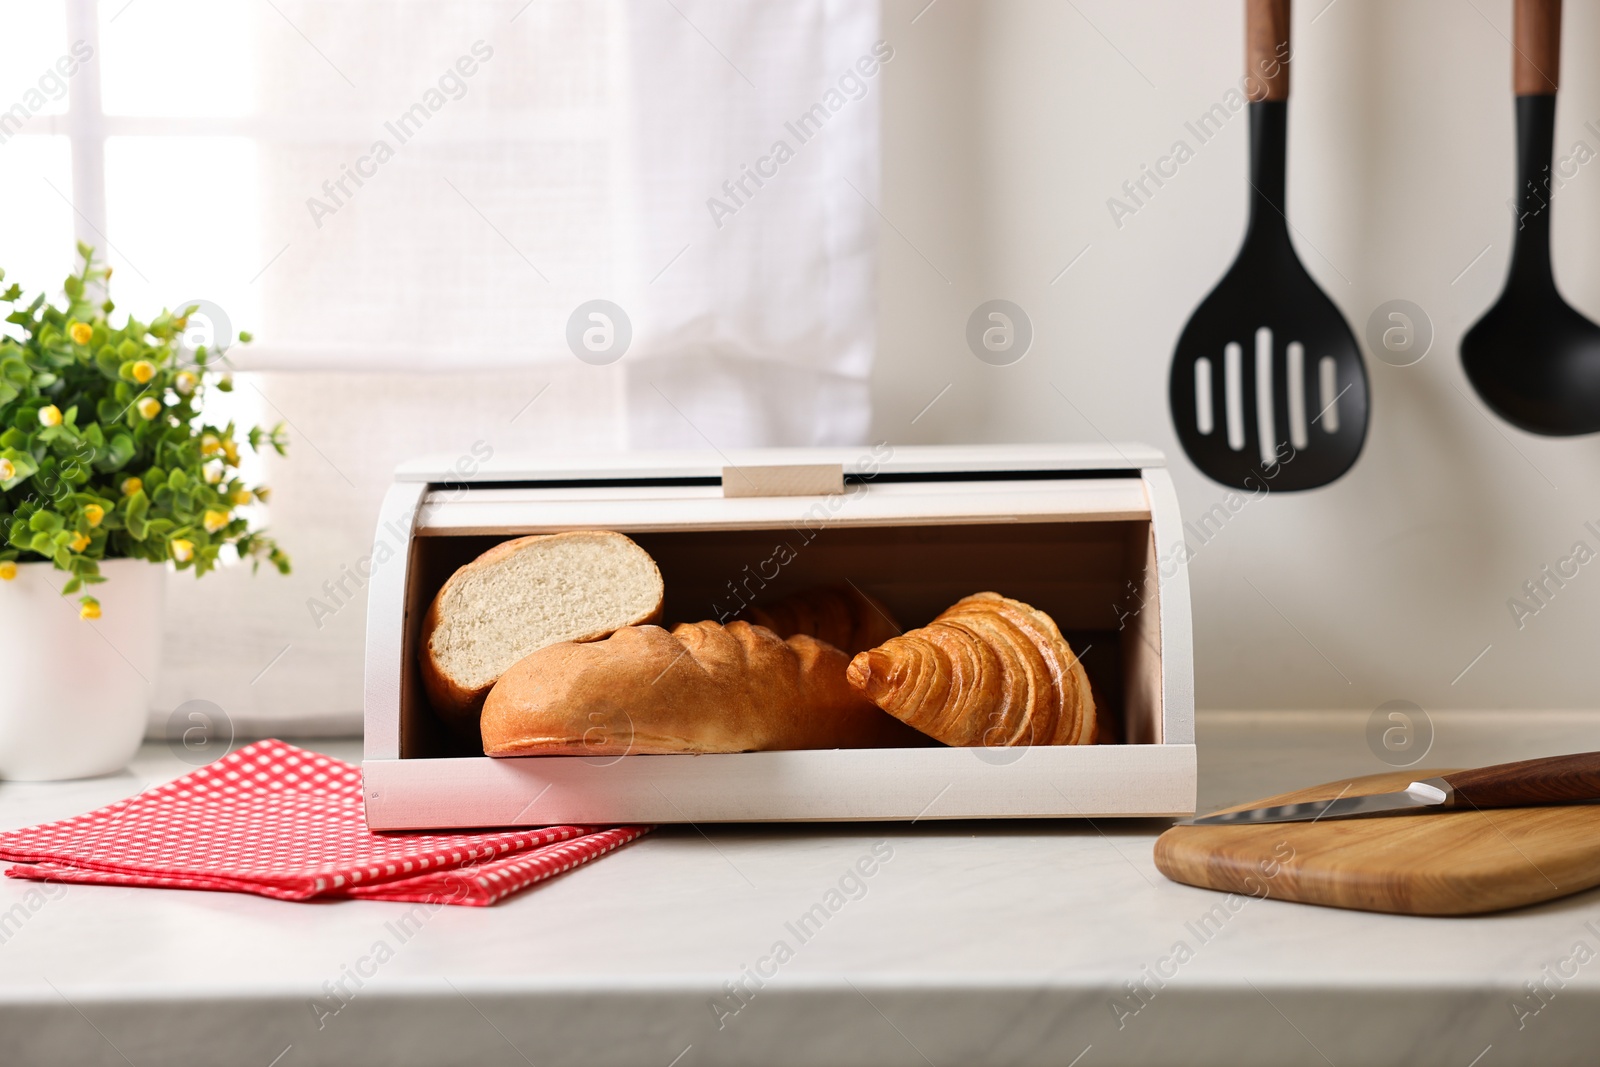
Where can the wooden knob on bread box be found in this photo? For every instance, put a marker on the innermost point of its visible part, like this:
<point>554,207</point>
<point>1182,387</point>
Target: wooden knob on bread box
<point>807,479</point>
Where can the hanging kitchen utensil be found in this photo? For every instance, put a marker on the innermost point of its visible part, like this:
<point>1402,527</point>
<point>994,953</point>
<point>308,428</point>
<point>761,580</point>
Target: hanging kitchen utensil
<point>1267,382</point>
<point>1532,357</point>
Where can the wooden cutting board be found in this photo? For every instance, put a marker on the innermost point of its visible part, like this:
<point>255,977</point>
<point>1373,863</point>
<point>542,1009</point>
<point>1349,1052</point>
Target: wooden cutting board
<point>1449,863</point>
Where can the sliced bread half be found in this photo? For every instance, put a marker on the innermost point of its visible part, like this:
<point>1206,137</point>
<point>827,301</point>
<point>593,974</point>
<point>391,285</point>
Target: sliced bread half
<point>523,595</point>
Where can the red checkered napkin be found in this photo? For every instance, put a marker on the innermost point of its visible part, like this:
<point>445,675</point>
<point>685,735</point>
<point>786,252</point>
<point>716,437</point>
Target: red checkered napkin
<point>282,822</point>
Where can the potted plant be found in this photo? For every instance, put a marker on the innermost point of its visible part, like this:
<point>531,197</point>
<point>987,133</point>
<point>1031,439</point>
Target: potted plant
<point>109,476</point>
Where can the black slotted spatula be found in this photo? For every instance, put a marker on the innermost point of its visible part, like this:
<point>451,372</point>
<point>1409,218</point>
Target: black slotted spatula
<point>1267,382</point>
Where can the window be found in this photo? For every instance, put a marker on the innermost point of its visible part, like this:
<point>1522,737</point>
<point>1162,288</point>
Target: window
<point>366,185</point>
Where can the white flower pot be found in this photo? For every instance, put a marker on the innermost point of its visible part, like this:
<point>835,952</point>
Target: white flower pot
<point>75,693</point>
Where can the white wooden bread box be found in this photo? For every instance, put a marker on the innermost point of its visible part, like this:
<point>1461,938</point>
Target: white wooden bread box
<point>1070,529</point>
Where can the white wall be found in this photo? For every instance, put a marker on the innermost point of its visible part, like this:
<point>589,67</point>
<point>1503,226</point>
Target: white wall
<point>1007,126</point>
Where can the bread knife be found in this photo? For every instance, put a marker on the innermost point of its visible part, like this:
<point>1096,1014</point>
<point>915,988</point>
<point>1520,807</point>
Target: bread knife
<point>1526,783</point>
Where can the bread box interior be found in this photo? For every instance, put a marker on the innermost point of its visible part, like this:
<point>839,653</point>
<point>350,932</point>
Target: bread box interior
<point>1077,542</point>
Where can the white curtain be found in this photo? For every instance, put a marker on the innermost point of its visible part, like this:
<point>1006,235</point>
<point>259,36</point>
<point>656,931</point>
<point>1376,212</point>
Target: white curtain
<point>753,168</point>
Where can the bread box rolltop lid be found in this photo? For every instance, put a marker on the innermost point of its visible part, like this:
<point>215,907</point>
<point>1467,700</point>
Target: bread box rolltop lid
<point>685,505</point>
<point>856,461</point>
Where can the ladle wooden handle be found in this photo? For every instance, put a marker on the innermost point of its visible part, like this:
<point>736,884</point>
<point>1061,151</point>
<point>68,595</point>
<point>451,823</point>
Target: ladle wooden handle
<point>1266,49</point>
<point>1536,56</point>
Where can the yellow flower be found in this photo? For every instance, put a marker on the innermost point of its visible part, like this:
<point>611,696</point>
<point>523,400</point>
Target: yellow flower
<point>8,570</point>
<point>50,415</point>
<point>182,550</point>
<point>131,486</point>
<point>143,371</point>
<point>215,520</point>
<point>149,407</point>
<point>262,492</point>
<point>81,332</point>
<point>209,445</point>
<point>8,470</point>
<point>90,608</point>
<point>231,450</point>
<point>212,472</point>
<point>80,541</point>
<point>240,497</point>
<point>185,382</point>
<point>94,513</point>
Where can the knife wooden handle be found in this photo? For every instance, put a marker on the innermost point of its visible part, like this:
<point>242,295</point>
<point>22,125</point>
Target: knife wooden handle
<point>1536,53</point>
<point>1266,49</point>
<point>1530,782</point>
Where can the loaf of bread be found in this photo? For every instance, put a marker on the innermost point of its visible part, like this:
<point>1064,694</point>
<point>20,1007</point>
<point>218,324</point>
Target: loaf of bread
<point>703,687</point>
<point>987,671</point>
<point>841,615</point>
<point>523,595</point>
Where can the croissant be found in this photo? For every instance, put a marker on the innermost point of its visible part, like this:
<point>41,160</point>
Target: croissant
<point>843,616</point>
<point>703,687</point>
<point>987,671</point>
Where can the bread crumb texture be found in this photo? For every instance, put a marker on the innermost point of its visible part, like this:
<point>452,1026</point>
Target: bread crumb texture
<point>563,588</point>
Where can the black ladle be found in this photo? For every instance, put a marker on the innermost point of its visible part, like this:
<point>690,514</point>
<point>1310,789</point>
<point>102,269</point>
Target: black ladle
<point>1267,385</point>
<point>1532,357</point>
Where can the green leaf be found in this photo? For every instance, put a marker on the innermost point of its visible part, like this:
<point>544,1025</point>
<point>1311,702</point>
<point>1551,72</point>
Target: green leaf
<point>122,450</point>
<point>15,371</point>
<point>45,522</point>
<point>137,515</point>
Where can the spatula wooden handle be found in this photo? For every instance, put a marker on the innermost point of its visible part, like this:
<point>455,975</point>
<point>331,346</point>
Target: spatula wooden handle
<point>1266,49</point>
<point>1536,58</point>
<point>1549,780</point>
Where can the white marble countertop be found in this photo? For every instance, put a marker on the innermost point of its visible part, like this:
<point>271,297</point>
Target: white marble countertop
<point>972,943</point>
